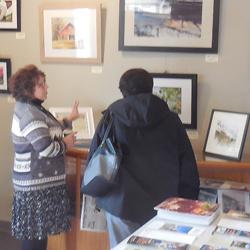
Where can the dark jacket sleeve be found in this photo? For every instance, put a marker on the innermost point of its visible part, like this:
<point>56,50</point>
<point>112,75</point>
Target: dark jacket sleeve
<point>189,182</point>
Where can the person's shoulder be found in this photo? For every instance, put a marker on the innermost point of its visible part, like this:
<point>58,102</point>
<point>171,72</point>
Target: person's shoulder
<point>175,120</point>
<point>22,107</point>
<point>174,116</point>
<point>31,109</point>
<point>114,108</point>
<point>28,112</point>
<point>115,104</point>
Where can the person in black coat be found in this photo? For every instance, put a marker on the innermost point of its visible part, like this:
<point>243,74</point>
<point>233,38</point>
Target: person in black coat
<point>158,161</point>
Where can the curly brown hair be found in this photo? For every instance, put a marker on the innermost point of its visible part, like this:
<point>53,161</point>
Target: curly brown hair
<point>22,83</point>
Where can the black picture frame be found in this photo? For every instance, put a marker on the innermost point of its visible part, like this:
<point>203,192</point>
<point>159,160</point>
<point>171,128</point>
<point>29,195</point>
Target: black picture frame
<point>180,92</point>
<point>140,29</point>
<point>5,73</point>
<point>226,134</point>
<point>12,18</point>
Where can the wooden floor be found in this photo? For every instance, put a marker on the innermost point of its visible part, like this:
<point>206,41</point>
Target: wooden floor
<point>78,240</point>
<point>7,242</point>
<point>73,240</point>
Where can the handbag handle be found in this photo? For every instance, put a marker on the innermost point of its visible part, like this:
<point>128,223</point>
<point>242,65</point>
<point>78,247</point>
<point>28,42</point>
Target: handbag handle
<point>107,130</point>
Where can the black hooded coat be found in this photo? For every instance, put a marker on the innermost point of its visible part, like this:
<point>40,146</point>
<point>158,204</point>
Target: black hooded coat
<point>158,160</point>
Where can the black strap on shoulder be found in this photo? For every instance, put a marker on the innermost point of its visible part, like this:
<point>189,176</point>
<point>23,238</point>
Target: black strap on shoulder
<point>107,130</point>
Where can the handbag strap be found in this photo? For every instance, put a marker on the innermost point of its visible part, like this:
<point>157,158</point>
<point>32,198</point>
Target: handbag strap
<point>107,130</point>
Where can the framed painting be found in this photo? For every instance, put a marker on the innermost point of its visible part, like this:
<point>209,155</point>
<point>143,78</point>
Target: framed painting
<point>84,125</point>
<point>180,93</point>
<point>71,33</point>
<point>169,25</point>
<point>5,72</point>
<point>233,200</point>
<point>10,15</point>
<point>226,134</point>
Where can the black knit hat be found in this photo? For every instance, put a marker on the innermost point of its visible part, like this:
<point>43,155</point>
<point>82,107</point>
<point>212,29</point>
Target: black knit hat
<point>136,81</point>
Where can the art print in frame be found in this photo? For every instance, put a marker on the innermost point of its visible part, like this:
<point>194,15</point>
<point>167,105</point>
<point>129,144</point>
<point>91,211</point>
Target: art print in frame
<point>208,194</point>
<point>71,33</point>
<point>226,134</point>
<point>5,72</point>
<point>10,15</point>
<point>169,25</point>
<point>180,93</point>
<point>233,200</point>
<point>84,125</point>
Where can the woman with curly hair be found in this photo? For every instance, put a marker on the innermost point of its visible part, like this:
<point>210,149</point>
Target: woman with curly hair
<point>40,204</point>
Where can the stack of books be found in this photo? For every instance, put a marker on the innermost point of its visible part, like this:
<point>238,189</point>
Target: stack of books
<point>178,223</point>
<point>188,211</point>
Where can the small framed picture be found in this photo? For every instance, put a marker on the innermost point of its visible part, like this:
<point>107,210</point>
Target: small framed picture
<point>71,33</point>
<point>233,200</point>
<point>180,93</point>
<point>5,72</point>
<point>211,183</point>
<point>10,15</point>
<point>226,134</point>
<point>208,194</point>
<point>84,125</point>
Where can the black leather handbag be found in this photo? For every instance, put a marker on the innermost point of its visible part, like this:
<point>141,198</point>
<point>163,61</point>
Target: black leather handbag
<point>100,175</point>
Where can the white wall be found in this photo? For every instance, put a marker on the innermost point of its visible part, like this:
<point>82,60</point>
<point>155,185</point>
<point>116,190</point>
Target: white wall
<point>223,85</point>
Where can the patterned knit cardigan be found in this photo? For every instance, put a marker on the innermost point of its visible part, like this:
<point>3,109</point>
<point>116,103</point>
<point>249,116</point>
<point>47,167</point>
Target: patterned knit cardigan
<point>39,149</point>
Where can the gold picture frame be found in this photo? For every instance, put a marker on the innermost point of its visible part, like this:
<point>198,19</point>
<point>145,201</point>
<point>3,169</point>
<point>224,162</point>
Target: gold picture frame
<point>71,33</point>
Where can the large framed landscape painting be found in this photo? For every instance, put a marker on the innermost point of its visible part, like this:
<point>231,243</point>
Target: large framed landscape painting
<point>71,33</point>
<point>179,91</point>
<point>169,25</point>
<point>226,134</point>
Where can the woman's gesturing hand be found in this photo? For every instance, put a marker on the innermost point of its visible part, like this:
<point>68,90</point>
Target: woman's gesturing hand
<point>74,112</point>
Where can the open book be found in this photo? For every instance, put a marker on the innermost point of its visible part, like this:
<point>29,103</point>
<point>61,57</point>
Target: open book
<point>188,211</point>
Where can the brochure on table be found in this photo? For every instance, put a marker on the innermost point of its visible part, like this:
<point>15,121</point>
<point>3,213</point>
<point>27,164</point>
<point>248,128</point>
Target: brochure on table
<point>155,229</point>
<point>226,232</point>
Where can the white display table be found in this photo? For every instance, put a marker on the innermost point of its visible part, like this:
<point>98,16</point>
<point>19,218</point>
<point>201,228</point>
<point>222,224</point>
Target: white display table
<point>144,230</point>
